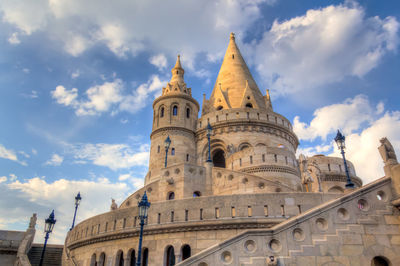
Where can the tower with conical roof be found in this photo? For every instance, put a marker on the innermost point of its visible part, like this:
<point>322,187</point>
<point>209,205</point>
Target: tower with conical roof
<point>175,115</point>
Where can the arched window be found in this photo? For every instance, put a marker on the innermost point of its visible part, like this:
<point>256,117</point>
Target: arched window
<point>133,258</point>
<point>162,112</point>
<point>175,110</point>
<point>145,260</point>
<point>196,194</point>
<point>158,149</point>
<point>186,252</point>
<point>170,256</point>
<point>171,195</point>
<point>188,112</point>
<point>173,151</point>
<point>120,258</point>
<point>220,108</point>
<point>379,261</point>
<point>249,105</point>
<point>93,261</point>
<point>102,260</point>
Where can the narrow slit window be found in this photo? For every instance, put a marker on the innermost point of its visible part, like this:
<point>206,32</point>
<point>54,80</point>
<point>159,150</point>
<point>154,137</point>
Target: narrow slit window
<point>158,149</point>
<point>201,214</point>
<point>175,110</point>
<point>263,158</point>
<point>217,118</point>
<point>282,210</point>
<point>251,159</point>
<point>240,162</point>
<point>276,158</point>
<point>286,160</point>
<point>124,223</point>
<point>266,210</point>
<point>106,228</point>
<point>162,112</point>
<point>187,157</point>
<point>187,112</point>
<point>233,212</point>
<point>159,218</point>
<point>340,168</point>
<point>329,167</point>
<point>299,207</point>
<point>115,225</point>
<point>249,211</point>
<point>172,216</point>
<point>216,213</point>
<point>186,215</point>
<point>173,151</point>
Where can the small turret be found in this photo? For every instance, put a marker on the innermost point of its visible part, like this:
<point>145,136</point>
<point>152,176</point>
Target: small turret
<point>177,83</point>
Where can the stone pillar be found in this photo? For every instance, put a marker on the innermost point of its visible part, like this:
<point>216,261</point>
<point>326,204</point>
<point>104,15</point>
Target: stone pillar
<point>395,175</point>
<point>178,257</point>
<point>209,166</point>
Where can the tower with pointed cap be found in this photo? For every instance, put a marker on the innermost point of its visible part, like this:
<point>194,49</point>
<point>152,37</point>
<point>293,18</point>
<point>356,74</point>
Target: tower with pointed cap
<point>175,115</point>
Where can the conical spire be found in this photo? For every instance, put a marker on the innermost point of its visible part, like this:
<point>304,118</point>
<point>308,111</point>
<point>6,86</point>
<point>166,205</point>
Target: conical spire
<point>177,83</point>
<point>235,82</point>
<point>178,72</point>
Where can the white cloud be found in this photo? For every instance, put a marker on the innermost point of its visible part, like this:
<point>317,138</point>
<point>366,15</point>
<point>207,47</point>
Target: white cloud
<point>55,160</point>
<point>324,45</point>
<point>14,38</point>
<point>128,27</point>
<point>7,154</point>
<point>75,74</point>
<point>109,96</point>
<point>34,152</point>
<point>40,196</point>
<point>113,156</point>
<point>160,61</point>
<point>65,96</point>
<point>347,116</point>
<point>3,179</point>
<point>364,125</point>
<point>26,70</point>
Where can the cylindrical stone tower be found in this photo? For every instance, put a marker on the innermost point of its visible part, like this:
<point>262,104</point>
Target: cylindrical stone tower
<point>175,115</point>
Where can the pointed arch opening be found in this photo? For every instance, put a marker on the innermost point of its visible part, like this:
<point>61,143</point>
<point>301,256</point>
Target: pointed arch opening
<point>102,260</point>
<point>145,257</point>
<point>186,252</point>
<point>170,256</point>
<point>380,261</point>
<point>119,261</point>
<point>93,261</point>
<point>133,257</point>
<point>249,105</point>
<point>218,158</point>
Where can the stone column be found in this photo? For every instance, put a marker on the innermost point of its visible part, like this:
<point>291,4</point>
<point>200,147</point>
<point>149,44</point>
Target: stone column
<point>209,166</point>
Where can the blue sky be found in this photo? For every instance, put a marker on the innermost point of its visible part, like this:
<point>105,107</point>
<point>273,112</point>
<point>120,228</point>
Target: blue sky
<point>77,81</point>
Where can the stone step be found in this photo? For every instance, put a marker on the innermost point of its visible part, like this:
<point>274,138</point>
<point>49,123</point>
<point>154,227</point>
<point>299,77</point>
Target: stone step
<point>52,256</point>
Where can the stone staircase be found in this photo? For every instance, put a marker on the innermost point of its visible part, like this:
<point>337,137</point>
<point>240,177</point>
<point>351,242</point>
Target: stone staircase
<point>52,256</point>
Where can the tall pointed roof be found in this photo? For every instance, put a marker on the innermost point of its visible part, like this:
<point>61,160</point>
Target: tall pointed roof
<point>235,86</point>
<point>177,83</point>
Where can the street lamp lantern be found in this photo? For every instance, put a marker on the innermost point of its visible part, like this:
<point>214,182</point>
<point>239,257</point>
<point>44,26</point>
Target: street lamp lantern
<point>78,199</point>
<point>48,228</point>
<point>144,206</point>
<point>49,223</point>
<point>167,143</point>
<point>340,141</point>
<point>209,132</point>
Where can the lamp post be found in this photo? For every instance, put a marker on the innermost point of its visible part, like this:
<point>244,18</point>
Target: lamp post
<point>48,228</point>
<point>167,143</point>
<point>340,141</point>
<point>77,201</point>
<point>209,132</point>
<point>144,206</point>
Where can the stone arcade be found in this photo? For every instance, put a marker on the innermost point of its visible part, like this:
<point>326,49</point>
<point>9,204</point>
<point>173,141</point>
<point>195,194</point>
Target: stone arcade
<point>255,203</point>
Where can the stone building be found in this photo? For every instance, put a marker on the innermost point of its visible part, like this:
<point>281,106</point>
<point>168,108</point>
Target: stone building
<point>254,202</point>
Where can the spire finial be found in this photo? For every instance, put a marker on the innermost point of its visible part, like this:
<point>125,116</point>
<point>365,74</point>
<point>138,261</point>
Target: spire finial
<point>232,36</point>
<point>178,62</point>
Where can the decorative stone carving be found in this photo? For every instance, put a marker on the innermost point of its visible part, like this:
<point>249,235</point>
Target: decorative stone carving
<point>114,205</point>
<point>33,220</point>
<point>387,152</point>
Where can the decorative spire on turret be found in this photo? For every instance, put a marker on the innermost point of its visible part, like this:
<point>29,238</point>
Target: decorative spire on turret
<point>177,83</point>
<point>267,99</point>
<point>235,86</point>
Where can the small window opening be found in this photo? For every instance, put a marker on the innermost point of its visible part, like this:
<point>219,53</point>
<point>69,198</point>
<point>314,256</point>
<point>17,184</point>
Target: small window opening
<point>249,105</point>
<point>263,158</point>
<point>124,223</point>
<point>240,162</point>
<point>286,160</point>
<point>329,167</point>
<point>233,212</point>
<point>233,56</point>
<point>249,211</point>
<point>171,195</point>
<point>186,215</point>
<point>340,168</point>
<point>173,151</point>
<point>162,112</point>
<point>251,159</point>
<point>258,116</point>
<point>175,111</point>
<point>115,225</point>
<point>282,210</point>
<point>216,213</point>
<point>276,158</point>
<point>220,107</point>
<point>159,218</point>
<point>217,118</point>
<point>106,228</point>
<point>172,216</point>
<point>266,210</point>
<point>196,194</point>
<point>299,207</point>
<point>248,115</point>
<point>158,149</point>
<point>187,112</point>
<point>187,157</point>
<point>201,214</point>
